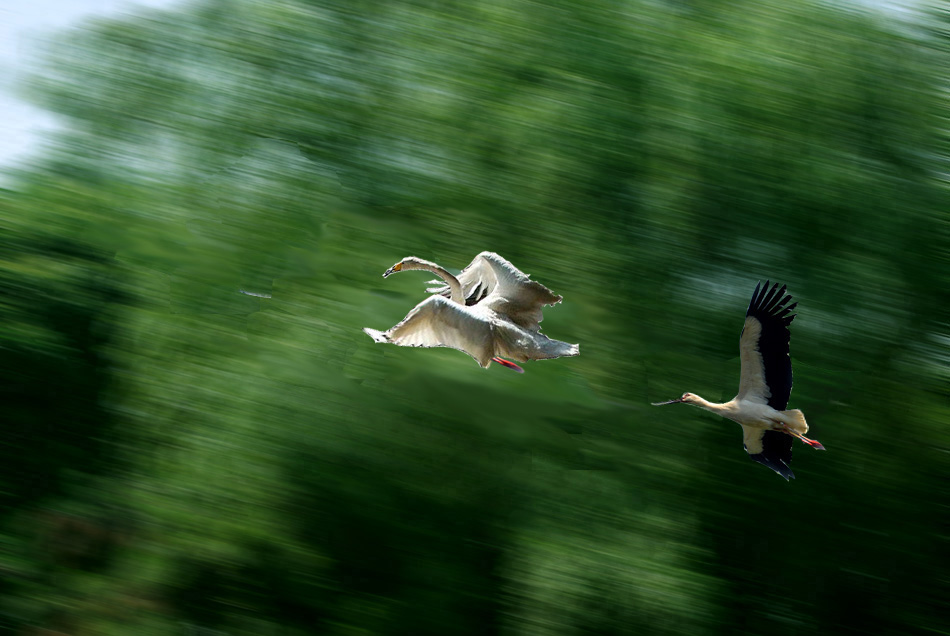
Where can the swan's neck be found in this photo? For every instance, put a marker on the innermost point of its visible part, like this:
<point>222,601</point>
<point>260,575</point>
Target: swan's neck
<point>455,288</point>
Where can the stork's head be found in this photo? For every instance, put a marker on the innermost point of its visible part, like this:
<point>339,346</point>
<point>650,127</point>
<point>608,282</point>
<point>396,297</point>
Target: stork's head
<point>686,398</point>
<point>410,262</point>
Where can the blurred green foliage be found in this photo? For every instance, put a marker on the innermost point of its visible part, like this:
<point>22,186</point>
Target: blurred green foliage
<point>179,457</point>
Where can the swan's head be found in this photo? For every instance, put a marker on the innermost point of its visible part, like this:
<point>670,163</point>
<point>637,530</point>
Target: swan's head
<point>686,398</point>
<point>410,262</point>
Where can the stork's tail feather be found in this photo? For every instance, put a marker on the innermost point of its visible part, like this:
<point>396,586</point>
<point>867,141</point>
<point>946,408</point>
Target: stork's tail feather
<point>795,420</point>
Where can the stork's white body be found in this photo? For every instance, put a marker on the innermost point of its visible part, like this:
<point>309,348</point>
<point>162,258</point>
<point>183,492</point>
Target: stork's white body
<point>755,418</point>
<point>755,414</point>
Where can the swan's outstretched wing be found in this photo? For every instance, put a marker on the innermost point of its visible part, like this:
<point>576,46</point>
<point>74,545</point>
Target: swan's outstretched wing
<point>493,280</point>
<point>766,369</point>
<point>438,322</point>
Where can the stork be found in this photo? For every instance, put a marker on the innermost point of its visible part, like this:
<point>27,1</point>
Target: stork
<point>765,384</point>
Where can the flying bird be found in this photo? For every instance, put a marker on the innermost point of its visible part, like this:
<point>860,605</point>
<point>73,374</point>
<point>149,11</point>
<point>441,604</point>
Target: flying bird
<point>490,311</point>
<point>765,384</point>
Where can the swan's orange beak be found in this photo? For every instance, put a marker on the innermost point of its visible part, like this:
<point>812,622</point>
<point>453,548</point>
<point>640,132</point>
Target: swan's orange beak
<point>395,268</point>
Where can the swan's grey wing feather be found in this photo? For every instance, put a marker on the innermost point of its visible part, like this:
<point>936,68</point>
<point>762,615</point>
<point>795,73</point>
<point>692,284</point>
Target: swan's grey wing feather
<point>494,281</point>
<point>438,322</point>
<point>476,274</point>
<point>515,295</point>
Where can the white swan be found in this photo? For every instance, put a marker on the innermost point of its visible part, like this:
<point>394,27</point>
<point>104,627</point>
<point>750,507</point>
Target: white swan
<point>490,311</point>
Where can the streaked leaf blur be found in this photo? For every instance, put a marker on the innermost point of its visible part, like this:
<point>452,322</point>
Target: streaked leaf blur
<point>180,457</point>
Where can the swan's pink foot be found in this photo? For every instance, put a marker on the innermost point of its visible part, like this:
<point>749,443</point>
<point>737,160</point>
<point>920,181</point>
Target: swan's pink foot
<point>509,364</point>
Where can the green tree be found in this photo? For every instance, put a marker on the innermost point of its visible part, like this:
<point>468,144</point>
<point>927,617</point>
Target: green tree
<point>648,161</point>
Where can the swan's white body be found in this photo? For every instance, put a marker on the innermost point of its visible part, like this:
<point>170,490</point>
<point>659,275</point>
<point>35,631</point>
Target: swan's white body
<point>491,309</point>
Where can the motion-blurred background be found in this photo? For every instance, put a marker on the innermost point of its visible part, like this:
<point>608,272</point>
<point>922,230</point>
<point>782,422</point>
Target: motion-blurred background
<point>181,458</point>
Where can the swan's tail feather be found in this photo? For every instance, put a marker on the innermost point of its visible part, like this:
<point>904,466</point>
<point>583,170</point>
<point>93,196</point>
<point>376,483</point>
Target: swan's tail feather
<point>559,349</point>
<point>541,348</point>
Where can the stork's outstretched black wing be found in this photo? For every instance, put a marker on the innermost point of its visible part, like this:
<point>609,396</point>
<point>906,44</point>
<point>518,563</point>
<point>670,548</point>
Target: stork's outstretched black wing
<point>770,448</point>
<point>766,375</point>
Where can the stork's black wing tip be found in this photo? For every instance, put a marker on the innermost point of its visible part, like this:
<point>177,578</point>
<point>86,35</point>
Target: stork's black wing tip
<point>769,301</point>
<point>775,464</point>
<point>770,307</point>
<point>776,453</point>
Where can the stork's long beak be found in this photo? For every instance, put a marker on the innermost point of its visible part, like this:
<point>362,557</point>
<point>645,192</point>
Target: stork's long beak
<point>676,401</point>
